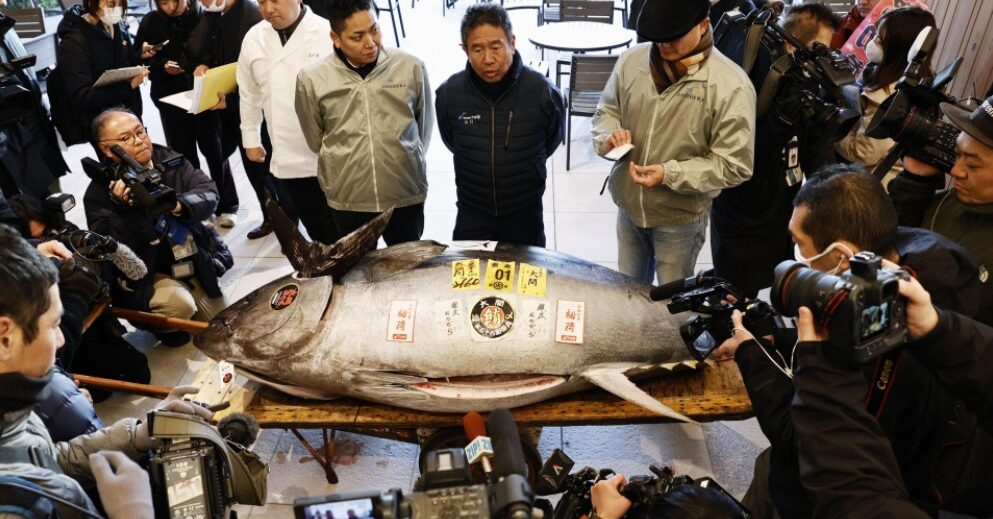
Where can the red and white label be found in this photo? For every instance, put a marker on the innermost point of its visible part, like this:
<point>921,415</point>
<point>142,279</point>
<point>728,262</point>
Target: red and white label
<point>570,321</point>
<point>401,323</point>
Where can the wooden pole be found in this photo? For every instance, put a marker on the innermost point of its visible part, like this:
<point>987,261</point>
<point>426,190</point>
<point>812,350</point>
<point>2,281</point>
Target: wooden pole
<point>160,321</point>
<point>159,392</point>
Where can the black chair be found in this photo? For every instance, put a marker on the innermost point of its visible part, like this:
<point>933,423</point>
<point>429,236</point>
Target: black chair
<point>511,5</point>
<point>391,7</point>
<point>550,12</point>
<point>601,11</point>
<point>28,22</point>
<point>589,75</point>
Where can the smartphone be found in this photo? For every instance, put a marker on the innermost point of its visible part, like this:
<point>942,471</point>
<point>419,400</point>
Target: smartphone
<point>158,47</point>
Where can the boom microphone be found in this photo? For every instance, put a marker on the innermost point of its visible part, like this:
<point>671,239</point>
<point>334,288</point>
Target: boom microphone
<point>96,247</point>
<point>128,262</point>
<point>667,290</point>
<point>508,454</point>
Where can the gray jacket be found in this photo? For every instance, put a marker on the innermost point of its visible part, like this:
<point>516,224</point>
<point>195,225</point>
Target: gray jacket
<point>701,130</point>
<point>24,430</point>
<point>370,134</point>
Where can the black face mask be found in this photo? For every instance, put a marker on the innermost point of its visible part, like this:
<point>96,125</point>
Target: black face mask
<point>21,391</point>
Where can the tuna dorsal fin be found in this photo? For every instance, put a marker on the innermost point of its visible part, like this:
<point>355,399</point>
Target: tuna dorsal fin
<point>611,378</point>
<point>315,259</point>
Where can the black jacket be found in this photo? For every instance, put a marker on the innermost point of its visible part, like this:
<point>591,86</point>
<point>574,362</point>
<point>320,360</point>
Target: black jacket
<point>157,27</point>
<point>500,148</point>
<point>132,227</point>
<point>87,51</point>
<point>846,460</point>
<point>216,40</point>
<point>917,412</point>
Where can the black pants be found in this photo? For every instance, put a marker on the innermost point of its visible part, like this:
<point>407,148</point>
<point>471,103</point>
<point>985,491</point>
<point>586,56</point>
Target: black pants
<point>258,173</point>
<point>307,199</point>
<point>523,227</point>
<point>184,132</point>
<point>406,224</point>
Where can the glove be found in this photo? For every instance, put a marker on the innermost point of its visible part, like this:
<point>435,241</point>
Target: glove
<point>174,403</point>
<point>123,486</point>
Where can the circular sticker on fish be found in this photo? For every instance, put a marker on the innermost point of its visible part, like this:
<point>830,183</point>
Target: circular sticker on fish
<point>285,296</point>
<point>492,317</point>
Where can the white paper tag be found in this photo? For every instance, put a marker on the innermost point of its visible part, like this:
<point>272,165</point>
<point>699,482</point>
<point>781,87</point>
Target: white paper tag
<point>619,152</point>
<point>185,249</point>
<point>401,323</point>
<point>487,245</point>
<point>536,317</point>
<point>450,318</point>
<point>570,320</point>
<point>225,372</point>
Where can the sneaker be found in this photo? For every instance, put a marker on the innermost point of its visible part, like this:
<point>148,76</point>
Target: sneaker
<point>263,230</point>
<point>227,220</point>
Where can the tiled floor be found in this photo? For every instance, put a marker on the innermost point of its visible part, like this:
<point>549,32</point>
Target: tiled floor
<point>578,221</point>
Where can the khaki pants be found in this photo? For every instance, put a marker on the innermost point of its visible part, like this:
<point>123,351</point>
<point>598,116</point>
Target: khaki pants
<point>184,299</point>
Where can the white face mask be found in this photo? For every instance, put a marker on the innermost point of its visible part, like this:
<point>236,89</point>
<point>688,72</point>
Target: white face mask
<point>112,15</point>
<point>213,6</point>
<point>807,261</point>
<point>874,53</point>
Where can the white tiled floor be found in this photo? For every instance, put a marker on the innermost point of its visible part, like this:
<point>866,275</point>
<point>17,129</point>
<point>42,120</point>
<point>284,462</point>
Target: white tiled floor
<point>578,221</point>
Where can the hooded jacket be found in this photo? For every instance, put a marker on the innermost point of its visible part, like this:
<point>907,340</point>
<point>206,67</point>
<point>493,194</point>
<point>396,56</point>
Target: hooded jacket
<point>85,52</point>
<point>701,130</point>
<point>216,40</point>
<point>370,134</point>
<point>500,147</point>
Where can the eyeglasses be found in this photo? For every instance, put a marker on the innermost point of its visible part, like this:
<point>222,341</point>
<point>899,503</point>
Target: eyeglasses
<point>134,137</point>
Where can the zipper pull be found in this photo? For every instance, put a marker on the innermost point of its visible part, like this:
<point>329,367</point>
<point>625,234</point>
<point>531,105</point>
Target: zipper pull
<point>506,140</point>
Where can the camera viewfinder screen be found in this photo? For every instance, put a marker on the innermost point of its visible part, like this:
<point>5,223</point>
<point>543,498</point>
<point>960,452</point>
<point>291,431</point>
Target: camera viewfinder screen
<point>703,345</point>
<point>875,319</point>
<point>354,509</point>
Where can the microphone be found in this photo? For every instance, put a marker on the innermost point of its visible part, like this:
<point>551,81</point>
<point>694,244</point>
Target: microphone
<point>480,448</point>
<point>667,290</point>
<point>96,247</point>
<point>512,496</point>
<point>128,262</point>
<point>240,428</point>
<point>553,474</point>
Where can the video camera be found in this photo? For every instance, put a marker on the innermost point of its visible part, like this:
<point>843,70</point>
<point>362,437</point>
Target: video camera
<point>708,296</point>
<point>446,488</point>
<point>796,89</point>
<point>147,189</point>
<point>862,309</point>
<point>912,115</point>
<point>16,99</point>
<point>200,471</point>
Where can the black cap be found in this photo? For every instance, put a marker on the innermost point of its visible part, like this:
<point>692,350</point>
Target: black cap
<point>668,20</point>
<point>978,124</point>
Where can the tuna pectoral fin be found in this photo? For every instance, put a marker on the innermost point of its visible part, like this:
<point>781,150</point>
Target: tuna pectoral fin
<point>611,378</point>
<point>314,259</point>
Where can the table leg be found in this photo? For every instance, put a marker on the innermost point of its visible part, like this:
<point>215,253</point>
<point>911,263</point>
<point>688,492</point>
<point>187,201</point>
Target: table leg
<point>325,463</point>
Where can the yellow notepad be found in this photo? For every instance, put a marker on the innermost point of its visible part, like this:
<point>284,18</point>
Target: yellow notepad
<point>205,89</point>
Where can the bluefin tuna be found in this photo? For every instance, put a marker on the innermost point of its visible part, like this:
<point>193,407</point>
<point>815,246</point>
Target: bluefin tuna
<point>445,328</point>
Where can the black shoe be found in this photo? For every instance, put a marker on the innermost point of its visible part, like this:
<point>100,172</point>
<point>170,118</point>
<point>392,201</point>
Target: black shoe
<point>263,230</point>
<point>173,339</point>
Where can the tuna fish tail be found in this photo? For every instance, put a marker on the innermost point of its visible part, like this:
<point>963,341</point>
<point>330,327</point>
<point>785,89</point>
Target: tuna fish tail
<point>315,259</point>
<point>612,378</point>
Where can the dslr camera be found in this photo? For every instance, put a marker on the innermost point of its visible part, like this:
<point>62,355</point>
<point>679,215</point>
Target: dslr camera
<point>862,309</point>
<point>798,89</point>
<point>200,471</point>
<point>912,115</point>
<point>147,189</point>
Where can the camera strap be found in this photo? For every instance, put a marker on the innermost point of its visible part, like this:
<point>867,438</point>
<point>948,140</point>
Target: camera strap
<point>883,378</point>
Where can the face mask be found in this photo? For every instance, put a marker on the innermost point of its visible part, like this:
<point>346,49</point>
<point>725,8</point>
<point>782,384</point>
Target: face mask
<point>214,7</point>
<point>874,53</point>
<point>112,15</point>
<point>807,261</point>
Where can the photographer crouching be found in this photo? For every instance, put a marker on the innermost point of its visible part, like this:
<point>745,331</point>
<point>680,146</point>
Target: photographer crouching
<point>153,200</point>
<point>39,473</point>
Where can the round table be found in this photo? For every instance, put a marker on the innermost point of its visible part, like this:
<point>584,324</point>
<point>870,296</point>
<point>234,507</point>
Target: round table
<point>580,37</point>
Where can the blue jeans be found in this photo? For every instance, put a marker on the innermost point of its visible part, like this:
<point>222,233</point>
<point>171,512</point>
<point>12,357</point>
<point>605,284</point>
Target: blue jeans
<point>669,250</point>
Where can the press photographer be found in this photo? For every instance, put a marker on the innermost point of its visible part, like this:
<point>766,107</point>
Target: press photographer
<point>963,211</point>
<point>153,200</point>
<point>847,461</point>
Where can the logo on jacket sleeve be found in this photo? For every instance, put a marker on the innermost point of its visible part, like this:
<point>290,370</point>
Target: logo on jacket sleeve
<point>470,118</point>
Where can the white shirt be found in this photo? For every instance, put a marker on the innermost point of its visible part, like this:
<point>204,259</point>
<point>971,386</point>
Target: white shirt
<point>267,75</point>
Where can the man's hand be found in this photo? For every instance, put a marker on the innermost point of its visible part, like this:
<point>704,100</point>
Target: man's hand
<point>922,318</point>
<point>121,191</point>
<point>55,249</point>
<point>256,154</point>
<point>200,70</point>
<point>178,210</point>
<point>618,138</point>
<point>647,176</point>
<point>122,484</point>
<point>174,402</point>
<point>919,168</point>
<point>172,68</point>
<point>607,499</point>
<point>806,331</point>
<point>147,50</point>
<point>221,104</point>
<point>139,79</point>
<point>728,348</point>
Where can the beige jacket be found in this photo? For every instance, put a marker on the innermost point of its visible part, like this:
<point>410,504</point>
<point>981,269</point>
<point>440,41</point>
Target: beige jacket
<point>371,134</point>
<point>701,130</point>
<point>859,148</point>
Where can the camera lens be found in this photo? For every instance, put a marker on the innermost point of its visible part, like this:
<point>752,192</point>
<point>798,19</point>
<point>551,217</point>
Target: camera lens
<point>795,285</point>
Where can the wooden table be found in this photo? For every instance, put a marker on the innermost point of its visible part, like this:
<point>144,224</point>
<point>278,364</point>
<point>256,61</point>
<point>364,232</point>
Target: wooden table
<point>712,392</point>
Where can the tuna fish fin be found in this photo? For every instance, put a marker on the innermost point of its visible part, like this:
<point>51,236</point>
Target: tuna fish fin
<point>611,378</point>
<point>315,259</point>
<point>289,389</point>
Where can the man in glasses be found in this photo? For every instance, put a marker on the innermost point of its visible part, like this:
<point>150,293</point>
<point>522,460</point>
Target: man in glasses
<point>184,257</point>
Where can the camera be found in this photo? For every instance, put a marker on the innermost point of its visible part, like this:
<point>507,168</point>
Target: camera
<point>200,471</point>
<point>708,297</point>
<point>147,189</point>
<point>794,89</point>
<point>912,115</point>
<point>16,99</point>
<point>862,309</point>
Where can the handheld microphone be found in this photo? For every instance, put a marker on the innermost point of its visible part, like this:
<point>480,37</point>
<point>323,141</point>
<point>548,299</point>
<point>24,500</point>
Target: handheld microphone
<point>480,448</point>
<point>553,474</point>
<point>667,290</point>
